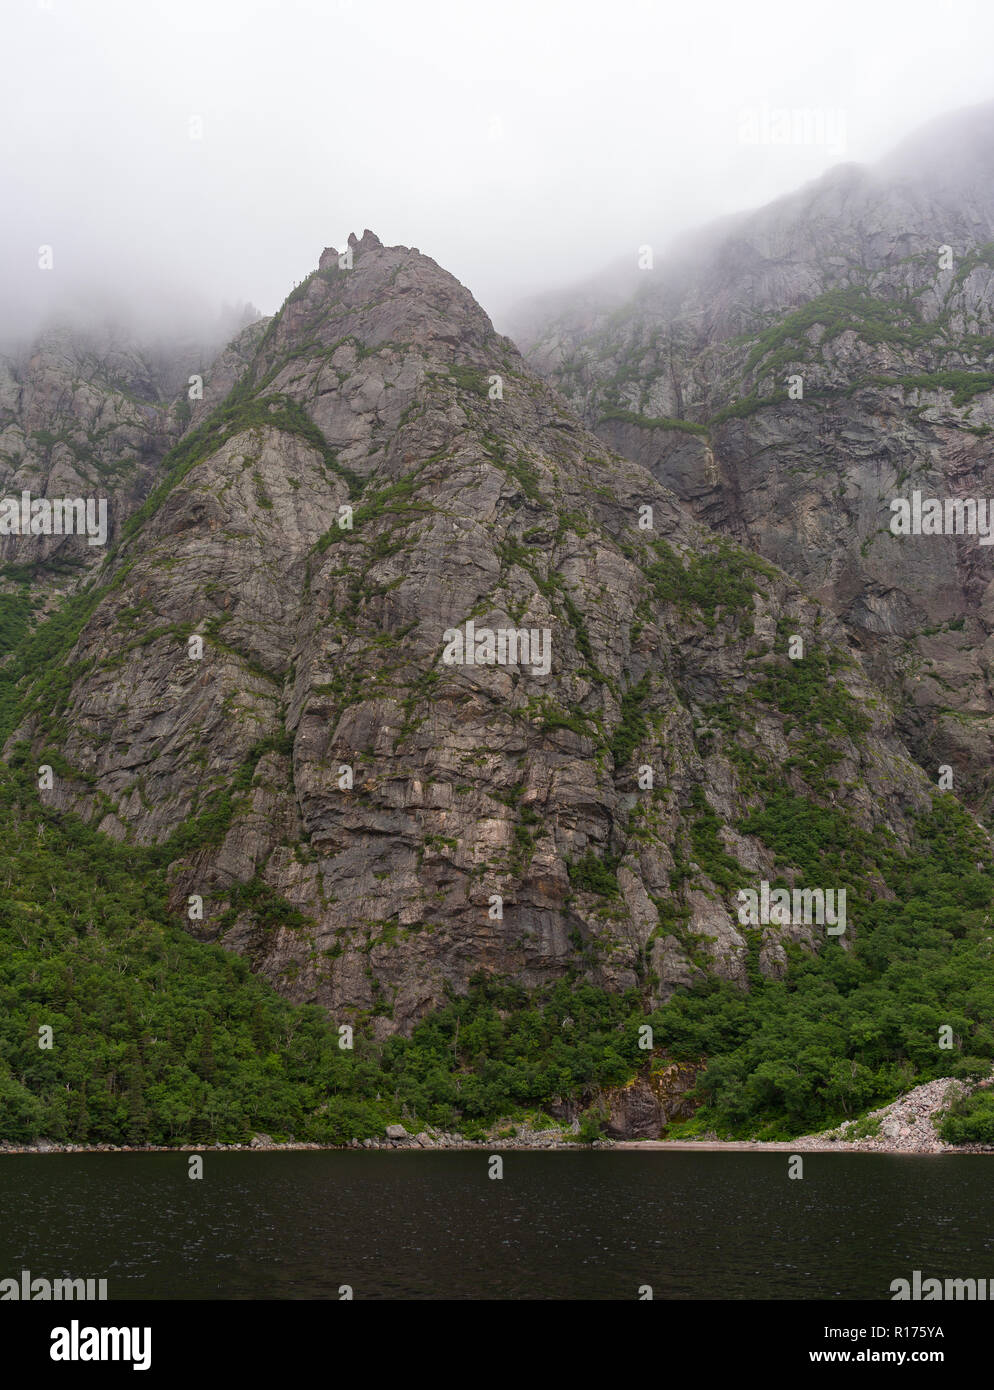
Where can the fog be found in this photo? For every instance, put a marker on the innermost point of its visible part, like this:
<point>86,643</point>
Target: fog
<point>178,156</point>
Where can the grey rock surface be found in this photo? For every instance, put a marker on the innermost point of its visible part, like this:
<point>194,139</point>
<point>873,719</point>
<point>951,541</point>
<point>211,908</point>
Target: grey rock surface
<point>371,826</point>
<point>875,288</point>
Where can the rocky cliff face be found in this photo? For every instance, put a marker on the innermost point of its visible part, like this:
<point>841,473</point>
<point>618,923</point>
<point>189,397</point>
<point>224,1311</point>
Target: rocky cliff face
<point>792,371</point>
<point>258,678</point>
<point>81,416</point>
<point>91,414</point>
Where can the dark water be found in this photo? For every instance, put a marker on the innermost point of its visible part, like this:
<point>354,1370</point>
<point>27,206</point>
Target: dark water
<point>558,1225</point>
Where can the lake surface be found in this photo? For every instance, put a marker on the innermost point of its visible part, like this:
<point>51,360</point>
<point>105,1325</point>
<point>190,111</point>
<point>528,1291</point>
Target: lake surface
<point>585,1225</point>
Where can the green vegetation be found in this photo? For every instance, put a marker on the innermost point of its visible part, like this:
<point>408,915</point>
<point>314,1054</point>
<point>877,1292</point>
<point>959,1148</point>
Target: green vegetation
<point>963,385</point>
<point>865,1128</point>
<point>739,409</point>
<point>806,690</point>
<point>633,727</point>
<point>723,578</point>
<point>38,677</point>
<point>652,422</point>
<point>156,1038</point>
<point>970,1120</point>
<point>720,867</point>
<point>594,875</point>
<point>847,309</point>
<point>468,379</point>
<point>15,619</point>
<point>849,1029</point>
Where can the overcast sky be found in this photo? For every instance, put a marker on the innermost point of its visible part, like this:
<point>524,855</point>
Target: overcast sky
<point>521,144</point>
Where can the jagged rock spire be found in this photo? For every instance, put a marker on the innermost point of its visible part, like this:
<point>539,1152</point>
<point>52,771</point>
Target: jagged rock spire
<point>370,241</point>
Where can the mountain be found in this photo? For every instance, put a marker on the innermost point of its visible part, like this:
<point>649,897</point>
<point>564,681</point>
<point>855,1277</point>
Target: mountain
<point>869,291</point>
<point>323,664</point>
<point>253,723</point>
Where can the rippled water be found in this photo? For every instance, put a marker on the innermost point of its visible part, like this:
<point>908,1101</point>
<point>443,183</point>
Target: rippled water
<point>591,1224</point>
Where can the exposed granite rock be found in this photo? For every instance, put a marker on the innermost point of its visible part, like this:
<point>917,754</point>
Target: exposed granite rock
<point>80,416</point>
<point>845,285</point>
<point>650,1101</point>
<point>368,824</point>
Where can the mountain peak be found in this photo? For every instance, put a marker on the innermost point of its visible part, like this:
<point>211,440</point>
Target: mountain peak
<point>368,242</point>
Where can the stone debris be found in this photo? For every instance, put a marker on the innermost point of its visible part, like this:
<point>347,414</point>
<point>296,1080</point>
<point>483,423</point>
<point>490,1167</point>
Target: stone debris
<point>907,1125</point>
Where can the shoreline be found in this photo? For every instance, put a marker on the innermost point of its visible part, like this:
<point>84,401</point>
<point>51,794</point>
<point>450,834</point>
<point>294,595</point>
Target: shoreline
<point>801,1146</point>
<point>907,1125</point>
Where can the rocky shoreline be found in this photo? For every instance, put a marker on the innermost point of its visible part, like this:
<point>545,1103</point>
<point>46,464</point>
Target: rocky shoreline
<point>905,1126</point>
<point>397,1137</point>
